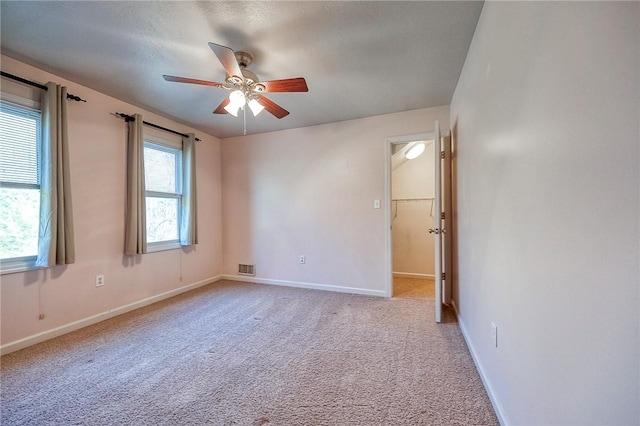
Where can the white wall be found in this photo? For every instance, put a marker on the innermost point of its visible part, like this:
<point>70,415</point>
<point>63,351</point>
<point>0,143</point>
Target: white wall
<point>310,192</point>
<point>545,117</point>
<point>413,246</point>
<point>66,294</point>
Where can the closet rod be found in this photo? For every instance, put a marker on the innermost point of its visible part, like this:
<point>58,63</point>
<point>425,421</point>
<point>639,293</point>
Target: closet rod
<point>412,199</point>
<point>38,85</point>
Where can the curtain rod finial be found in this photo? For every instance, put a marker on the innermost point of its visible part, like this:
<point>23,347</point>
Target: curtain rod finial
<point>126,117</point>
<point>75,98</point>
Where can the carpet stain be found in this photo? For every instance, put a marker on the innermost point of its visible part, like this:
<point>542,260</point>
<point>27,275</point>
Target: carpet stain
<point>261,421</point>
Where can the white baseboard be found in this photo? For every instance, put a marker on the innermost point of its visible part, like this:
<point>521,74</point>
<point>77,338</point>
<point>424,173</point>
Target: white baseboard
<point>497,407</point>
<point>313,286</point>
<point>76,325</point>
<point>414,275</point>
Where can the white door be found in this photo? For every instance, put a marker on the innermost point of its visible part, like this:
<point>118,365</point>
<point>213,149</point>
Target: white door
<point>447,215</point>
<point>437,221</point>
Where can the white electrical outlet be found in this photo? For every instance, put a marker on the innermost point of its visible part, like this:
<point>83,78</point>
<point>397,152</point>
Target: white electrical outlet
<point>494,334</point>
<point>302,259</point>
<point>99,280</point>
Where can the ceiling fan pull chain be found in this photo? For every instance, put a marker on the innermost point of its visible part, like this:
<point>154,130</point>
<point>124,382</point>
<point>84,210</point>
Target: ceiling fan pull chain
<point>244,118</point>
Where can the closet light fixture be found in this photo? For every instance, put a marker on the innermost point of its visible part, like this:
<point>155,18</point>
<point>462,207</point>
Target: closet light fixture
<point>415,151</point>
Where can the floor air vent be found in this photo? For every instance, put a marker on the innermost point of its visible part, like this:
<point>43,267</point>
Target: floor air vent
<point>246,269</point>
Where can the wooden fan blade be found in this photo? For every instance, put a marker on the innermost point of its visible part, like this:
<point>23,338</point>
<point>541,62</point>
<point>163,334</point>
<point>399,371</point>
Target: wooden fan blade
<point>287,85</point>
<point>228,59</point>
<point>220,109</point>
<point>272,107</point>
<point>191,81</point>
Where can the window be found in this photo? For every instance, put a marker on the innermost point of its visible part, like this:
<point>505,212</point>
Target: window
<point>20,136</point>
<point>163,191</point>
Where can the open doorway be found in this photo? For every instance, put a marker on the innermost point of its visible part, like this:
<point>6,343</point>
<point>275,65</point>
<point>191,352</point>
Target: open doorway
<point>418,191</point>
<point>412,214</point>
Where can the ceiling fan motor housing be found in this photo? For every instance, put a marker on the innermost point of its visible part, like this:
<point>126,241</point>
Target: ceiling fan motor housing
<point>244,59</point>
<point>249,77</point>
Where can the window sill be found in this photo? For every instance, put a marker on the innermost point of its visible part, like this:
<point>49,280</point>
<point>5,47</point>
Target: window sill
<point>21,264</point>
<point>163,246</point>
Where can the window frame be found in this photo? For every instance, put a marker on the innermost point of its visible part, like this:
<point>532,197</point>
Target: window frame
<point>153,142</point>
<point>24,263</point>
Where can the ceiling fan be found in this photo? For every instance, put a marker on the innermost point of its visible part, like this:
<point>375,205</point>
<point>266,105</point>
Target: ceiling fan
<point>245,87</point>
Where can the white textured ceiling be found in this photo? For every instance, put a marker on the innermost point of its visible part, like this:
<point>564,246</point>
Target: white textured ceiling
<point>359,58</point>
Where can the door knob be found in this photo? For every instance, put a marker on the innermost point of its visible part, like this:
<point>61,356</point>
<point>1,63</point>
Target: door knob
<point>434,231</point>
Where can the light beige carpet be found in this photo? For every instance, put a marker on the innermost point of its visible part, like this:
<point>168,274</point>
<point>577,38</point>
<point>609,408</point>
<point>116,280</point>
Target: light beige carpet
<point>414,288</point>
<point>247,354</point>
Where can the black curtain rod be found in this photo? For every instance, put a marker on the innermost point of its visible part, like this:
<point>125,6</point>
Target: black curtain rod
<point>128,118</point>
<point>38,85</point>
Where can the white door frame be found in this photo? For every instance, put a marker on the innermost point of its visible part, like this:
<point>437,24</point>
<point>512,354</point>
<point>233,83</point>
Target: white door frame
<point>437,220</point>
<point>387,196</point>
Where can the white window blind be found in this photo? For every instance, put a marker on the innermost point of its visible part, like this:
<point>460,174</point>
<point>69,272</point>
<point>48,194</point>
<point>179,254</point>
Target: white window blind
<point>20,135</point>
<point>19,151</point>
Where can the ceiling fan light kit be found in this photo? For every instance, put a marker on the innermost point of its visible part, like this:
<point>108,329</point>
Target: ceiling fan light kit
<point>244,85</point>
<point>256,107</point>
<point>237,100</point>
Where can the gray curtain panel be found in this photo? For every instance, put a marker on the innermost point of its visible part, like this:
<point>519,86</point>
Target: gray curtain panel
<point>189,217</point>
<point>56,240</point>
<point>135,222</point>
